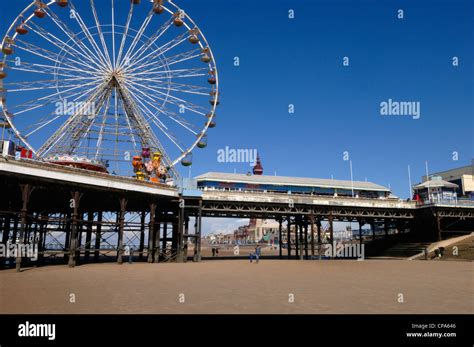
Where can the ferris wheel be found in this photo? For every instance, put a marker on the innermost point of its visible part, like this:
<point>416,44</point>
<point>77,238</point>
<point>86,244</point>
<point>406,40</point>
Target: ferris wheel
<point>99,82</point>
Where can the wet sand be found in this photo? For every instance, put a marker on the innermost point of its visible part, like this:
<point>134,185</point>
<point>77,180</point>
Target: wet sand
<point>237,286</point>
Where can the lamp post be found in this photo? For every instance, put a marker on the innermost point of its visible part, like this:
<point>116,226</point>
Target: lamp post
<point>352,180</point>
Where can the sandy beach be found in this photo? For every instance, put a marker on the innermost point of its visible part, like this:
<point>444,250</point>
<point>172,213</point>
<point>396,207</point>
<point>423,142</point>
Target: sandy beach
<point>237,286</point>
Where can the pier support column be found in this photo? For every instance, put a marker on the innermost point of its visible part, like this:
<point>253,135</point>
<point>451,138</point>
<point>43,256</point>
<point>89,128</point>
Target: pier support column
<point>288,236</point>
<point>331,229</point>
<point>90,222</point>
<point>385,227</point>
<point>186,238</point>
<point>164,240</point>
<point>318,226</point>
<point>16,221</point>
<point>76,198</point>
<point>158,245</point>
<point>197,246</point>
<point>5,238</point>
<point>179,231</point>
<point>98,237</point>
<point>151,234</point>
<point>361,224</point>
<point>33,233</point>
<point>142,235</point>
<point>121,220</point>
<point>80,226</point>
<point>372,228</point>
<point>438,226</point>
<point>26,190</point>
<point>297,238</point>
<point>280,241</point>
<point>306,239</point>
<point>301,248</point>
<point>67,230</point>
<point>312,233</point>
<point>43,229</point>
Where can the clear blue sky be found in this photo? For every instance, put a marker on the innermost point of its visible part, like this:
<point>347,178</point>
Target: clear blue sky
<point>299,61</point>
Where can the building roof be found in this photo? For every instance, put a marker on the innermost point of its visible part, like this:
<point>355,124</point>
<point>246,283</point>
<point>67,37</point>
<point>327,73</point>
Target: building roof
<point>436,183</point>
<point>293,181</point>
<point>455,173</point>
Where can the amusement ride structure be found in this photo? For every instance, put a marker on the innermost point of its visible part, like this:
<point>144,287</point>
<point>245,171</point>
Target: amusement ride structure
<point>141,90</point>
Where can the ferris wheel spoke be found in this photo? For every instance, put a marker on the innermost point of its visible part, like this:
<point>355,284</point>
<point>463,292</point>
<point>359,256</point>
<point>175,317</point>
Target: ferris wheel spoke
<point>147,44</point>
<point>139,35</point>
<point>102,127</point>
<point>179,73</point>
<point>42,125</point>
<point>135,97</point>
<point>161,50</point>
<point>72,36</point>
<point>163,79</point>
<point>178,101</point>
<point>125,33</point>
<point>155,119</point>
<point>129,124</point>
<point>45,87</point>
<point>45,70</point>
<point>81,134</point>
<point>173,116</point>
<point>159,124</point>
<point>144,130</point>
<point>172,60</point>
<point>149,96</point>
<point>113,33</point>
<point>179,120</point>
<point>101,34</point>
<point>46,54</point>
<point>47,99</point>
<point>145,110</point>
<point>46,120</point>
<point>41,83</point>
<point>78,18</point>
<point>61,45</point>
<point>70,123</point>
<point>176,87</point>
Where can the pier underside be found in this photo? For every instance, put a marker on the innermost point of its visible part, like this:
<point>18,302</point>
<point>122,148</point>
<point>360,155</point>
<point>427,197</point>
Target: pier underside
<point>54,214</point>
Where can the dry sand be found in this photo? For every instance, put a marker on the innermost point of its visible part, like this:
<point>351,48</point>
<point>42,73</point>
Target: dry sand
<point>236,286</point>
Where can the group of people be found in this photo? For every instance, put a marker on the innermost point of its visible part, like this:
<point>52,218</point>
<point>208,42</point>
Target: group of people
<point>253,255</point>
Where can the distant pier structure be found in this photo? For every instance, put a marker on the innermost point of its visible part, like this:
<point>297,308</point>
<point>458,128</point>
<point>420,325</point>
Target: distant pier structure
<point>73,216</point>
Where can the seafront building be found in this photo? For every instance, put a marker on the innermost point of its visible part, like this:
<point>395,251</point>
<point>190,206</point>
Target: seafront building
<point>462,177</point>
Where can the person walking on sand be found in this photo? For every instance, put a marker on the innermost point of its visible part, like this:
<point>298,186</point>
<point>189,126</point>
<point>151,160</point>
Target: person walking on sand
<point>130,256</point>
<point>257,253</point>
<point>213,251</point>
